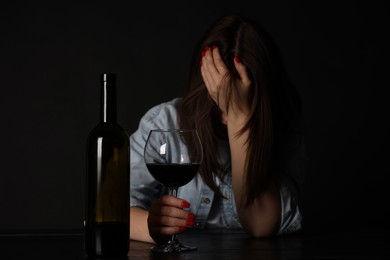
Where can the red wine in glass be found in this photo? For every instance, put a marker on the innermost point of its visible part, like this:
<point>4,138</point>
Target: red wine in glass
<point>173,175</point>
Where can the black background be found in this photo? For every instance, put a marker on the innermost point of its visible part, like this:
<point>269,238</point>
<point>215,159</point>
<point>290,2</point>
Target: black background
<point>336,54</point>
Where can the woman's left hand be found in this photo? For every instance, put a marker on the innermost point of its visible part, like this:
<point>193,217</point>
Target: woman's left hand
<point>216,78</point>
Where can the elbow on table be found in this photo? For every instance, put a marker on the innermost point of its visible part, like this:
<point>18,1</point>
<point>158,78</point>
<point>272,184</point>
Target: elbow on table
<point>262,218</point>
<point>262,229</point>
<point>260,232</point>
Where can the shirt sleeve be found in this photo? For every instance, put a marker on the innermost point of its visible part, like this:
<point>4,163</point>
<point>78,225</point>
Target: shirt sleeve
<point>144,189</point>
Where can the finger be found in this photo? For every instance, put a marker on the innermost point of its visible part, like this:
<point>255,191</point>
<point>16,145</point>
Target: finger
<point>156,222</point>
<point>210,85</point>
<point>174,201</point>
<point>166,221</point>
<point>169,200</point>
<point>210,74</point>
<point>208,63</point>
<point>205,75</point>
<point>169,211</point>
<point>219,64</point>
<point>166,230</point>
<point>241,69</point>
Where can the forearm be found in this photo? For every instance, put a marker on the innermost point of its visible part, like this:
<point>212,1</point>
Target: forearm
<point>262,217</point>
<point>138,225</point>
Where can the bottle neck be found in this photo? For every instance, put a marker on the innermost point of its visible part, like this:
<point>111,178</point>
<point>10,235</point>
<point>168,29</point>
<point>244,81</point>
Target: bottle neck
<point>108,98</point>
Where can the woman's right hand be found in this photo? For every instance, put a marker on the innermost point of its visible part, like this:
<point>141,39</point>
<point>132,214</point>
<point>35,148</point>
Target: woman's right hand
<point>216,75</point>
<point>168,217</point>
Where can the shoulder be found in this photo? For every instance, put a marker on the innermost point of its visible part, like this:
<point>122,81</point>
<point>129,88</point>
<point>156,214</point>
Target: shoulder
<point>164,109</point>
<point>163,115</point>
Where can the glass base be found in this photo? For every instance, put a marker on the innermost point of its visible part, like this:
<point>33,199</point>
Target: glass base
<point>173,247</point>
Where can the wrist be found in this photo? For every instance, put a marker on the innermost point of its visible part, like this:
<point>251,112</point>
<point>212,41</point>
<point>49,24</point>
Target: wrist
<point>236,121</point>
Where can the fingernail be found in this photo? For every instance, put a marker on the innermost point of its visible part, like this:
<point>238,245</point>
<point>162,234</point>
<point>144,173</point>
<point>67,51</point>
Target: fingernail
<point>203,53</point>
<point>182,228</point>
<point>213,47</point>
<point>190,222</point>
<point>191,216</point>
<point>185,204</point>
<point>206,48</point>
<point>200,63</point>
<point>236,59</point>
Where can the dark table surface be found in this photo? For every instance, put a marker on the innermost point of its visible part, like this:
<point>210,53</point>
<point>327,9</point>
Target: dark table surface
<point>217,244</point>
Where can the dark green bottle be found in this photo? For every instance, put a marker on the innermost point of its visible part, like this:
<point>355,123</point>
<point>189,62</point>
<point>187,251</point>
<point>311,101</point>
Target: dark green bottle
<point>108,180</point>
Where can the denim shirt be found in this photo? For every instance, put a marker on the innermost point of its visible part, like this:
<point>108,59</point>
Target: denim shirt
<point>210,210</point>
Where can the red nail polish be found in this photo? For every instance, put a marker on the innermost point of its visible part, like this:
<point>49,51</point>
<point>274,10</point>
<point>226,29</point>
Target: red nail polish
<point>191,216</point>
<point>236,59</point>
<point>203,53</point>
<point>213,47</point>
<point>206,48</point>
<point>182,228</point>
<point>190,222</point>
<point>185,204</point>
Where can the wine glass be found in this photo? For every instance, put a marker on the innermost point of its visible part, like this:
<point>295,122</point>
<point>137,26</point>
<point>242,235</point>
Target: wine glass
<point>173,157</point>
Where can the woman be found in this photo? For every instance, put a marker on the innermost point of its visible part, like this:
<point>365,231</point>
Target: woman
<point>245,114</point>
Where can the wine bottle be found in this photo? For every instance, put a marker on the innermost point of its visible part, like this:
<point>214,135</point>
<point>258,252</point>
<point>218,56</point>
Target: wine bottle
<point>108,180</point>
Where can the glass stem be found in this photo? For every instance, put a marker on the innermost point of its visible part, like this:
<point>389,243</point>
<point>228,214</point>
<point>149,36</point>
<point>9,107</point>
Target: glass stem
<point>173,192</point>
